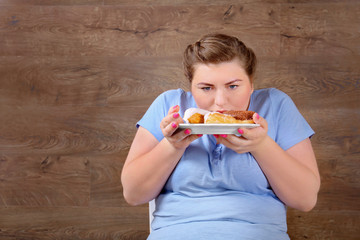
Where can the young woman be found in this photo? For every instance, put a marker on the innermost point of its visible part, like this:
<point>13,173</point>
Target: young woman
<point>222,186</point>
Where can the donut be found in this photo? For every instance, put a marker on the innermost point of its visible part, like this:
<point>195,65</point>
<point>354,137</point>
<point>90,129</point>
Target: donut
<point>196,115</point>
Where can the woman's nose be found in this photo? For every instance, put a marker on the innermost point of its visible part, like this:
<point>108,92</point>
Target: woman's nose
<point>220,98</point>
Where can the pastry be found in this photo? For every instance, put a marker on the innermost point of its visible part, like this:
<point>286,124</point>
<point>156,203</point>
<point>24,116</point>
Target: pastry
<point>196,115</point>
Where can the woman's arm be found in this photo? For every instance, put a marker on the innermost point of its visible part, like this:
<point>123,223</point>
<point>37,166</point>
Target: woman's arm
<point>150,162</point>
<point>292,174</point>
<point>147,167</point>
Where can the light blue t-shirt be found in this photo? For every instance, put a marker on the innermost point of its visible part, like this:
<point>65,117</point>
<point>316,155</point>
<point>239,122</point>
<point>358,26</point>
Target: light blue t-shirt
<point>216,193</point>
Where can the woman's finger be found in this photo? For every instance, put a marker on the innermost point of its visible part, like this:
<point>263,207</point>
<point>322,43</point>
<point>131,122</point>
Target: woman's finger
<point>183,137</point>
<point>172,117</point>
<point>252,133</point>
<point>174,109</point>
<point>238,144</point>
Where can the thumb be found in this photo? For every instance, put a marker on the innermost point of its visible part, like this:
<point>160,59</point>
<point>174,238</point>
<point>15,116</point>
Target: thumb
<point>174,109</point>
<point>256,118</point>
<point>260,120</point>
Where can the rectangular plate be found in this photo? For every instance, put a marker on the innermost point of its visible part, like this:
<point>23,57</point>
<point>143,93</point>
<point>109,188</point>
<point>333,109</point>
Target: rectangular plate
<point>217,128</point>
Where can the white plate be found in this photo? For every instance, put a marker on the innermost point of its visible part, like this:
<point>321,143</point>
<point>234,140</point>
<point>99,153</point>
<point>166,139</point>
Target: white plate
<point>216,128</point>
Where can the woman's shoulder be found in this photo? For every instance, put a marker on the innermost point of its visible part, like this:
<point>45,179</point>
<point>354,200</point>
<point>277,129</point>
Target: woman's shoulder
<point>270,92</point>
<point>174,97</point>
<point>173,94</point>
<point>273,95</point>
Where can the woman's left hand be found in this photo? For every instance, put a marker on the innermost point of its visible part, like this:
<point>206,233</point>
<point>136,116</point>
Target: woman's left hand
<point>250,138</point>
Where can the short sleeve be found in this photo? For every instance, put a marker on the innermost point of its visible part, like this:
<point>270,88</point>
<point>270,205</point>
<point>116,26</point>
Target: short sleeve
<point>292,127</point>
<point>158,110</point>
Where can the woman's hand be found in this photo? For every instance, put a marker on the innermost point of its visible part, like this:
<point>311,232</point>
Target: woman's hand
<point>169,126</point>
<point>249,140</point>
<point>292,174</point>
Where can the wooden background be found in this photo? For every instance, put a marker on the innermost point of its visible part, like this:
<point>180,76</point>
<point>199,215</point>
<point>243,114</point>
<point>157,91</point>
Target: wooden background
<point>76,75</point>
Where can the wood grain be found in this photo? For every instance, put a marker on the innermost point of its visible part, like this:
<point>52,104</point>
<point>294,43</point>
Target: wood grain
<point>106,188</point>
<point>136,3</point>
<point>73,223</point>
<point>315,29</point>
<point>44,181</point>
<point>302,78</point>
<point>333,223</point>
<point>49,2</point>
<point>76,76</point>
<point>110,30</point>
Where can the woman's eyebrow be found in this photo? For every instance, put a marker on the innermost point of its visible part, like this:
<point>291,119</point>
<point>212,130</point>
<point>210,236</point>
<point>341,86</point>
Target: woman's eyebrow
<point>228,83</point>
<point>204,83</point>
<point>234,81</point>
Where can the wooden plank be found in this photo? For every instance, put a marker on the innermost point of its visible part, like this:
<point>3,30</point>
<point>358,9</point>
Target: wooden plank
<point>339,183</point>
<point>134,3</point>
<point>188,2</point>
<point>48,223</point>
<point>320,29</point>
<point>156,3</point>
<point>338,137</point>
<point>157,75</point>
<point>78,105</point>
<point>319,1</point>
<point>133,30</point>
<point>54,81</point>
<point>323,225</point>
<point>211,2</point>
<point>106,187</point>
<point>334,81</point>
<point>50,2</point>
<point>61,131</point>
<point>74,82</point>
<point>44,181</point>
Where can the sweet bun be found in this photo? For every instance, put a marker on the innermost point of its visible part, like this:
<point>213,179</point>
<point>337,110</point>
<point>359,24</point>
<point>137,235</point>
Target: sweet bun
<point>240,115</point>
<point>196,115</point>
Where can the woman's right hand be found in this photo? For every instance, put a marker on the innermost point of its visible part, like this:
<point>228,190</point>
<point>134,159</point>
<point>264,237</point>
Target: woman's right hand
<point>169,126</point>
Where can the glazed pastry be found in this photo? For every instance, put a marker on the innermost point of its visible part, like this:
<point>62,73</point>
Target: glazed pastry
<point>240,115</point>
<point>215,117</point>
<point>196,115</point>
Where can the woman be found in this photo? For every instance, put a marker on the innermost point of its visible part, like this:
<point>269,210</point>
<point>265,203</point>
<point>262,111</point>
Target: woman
<point>222,186</point>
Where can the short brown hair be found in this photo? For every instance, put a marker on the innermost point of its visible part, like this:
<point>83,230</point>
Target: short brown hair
<point>217,48</point>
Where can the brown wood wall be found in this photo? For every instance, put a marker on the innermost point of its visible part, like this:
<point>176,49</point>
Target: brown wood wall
<point>76,75</point>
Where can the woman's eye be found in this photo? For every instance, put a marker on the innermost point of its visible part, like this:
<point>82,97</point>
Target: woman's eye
<point>206,88</point>
<point>233,86</point>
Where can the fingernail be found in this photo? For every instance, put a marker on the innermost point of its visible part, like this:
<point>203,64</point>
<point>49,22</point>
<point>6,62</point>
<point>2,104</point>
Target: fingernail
<point>174,107</point>
<point>216,136</point>
<point>223,135</point>
<point>174,125</point>
<point>187,131</point>
<point>176,115</point>
<point>199,135</point>
<point>257,116</point>
<point>241,131</point>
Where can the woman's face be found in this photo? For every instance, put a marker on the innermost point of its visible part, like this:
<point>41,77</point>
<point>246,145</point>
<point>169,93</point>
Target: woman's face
<point>223,86</point>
